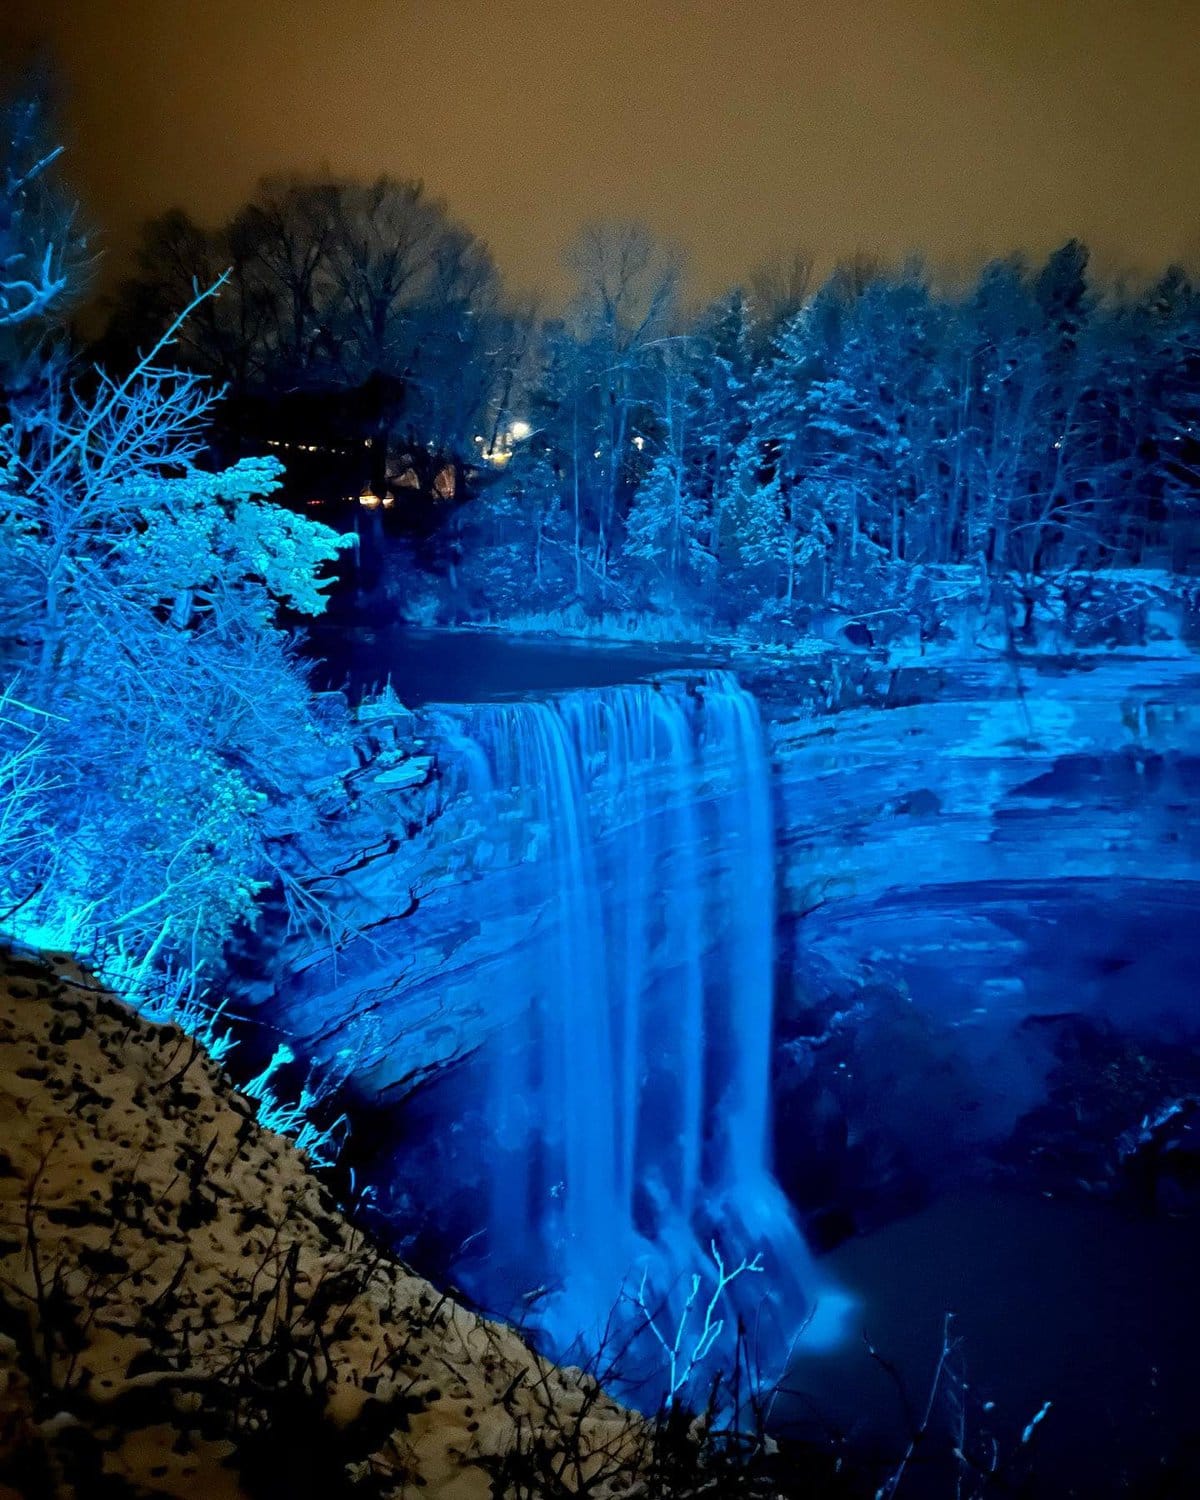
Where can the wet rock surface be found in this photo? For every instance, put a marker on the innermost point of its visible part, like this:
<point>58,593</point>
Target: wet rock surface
<point>985,961</point>
<point>986,869</point>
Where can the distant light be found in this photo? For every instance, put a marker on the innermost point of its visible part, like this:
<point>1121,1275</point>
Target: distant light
<point>519,431</point>
<point>479,437</point>
<point>639,442</point>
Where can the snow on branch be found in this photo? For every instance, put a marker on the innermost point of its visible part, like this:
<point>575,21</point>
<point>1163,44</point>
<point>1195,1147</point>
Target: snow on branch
<point>39,248</point>
<point>687,1346</point>
<point>22,299</point>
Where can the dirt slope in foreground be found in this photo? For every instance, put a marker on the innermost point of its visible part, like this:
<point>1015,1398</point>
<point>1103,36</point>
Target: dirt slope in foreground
<point>184,1312</point>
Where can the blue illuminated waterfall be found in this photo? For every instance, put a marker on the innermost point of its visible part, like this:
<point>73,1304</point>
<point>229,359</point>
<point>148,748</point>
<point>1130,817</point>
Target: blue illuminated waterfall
<point>628,1101</point>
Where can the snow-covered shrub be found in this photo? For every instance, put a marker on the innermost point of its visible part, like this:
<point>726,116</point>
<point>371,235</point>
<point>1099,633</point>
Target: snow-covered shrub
<point>157,730</point>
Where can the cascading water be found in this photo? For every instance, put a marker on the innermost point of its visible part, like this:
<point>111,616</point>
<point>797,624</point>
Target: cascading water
<point>628,1103</point>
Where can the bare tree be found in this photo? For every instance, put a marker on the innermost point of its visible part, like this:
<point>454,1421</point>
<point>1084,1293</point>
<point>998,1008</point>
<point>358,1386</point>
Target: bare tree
<point>626,302</point>
<point>332,283</point>
<point>780,289</point>
<point>287,235</point>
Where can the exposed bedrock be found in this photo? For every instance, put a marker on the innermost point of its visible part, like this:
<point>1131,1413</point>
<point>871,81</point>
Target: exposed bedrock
<point>984,895</point>
<point>986,937</point>
<point>942,777</point>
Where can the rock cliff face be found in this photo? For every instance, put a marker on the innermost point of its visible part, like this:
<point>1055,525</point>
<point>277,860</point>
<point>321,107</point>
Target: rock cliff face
<point>992,773</point>
<point>184,1312</point>
<point>978,887</point>
<point>456,898</point>
<point>885,782</point>
<point>976,863</point>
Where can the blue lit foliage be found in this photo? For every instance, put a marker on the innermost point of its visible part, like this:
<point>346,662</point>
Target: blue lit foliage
<point>780,454</point>
<point>154,729</point>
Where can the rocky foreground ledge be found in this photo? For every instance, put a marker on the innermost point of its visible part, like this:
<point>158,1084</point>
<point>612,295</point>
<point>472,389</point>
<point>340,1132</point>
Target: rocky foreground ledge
<point>184,1311</point>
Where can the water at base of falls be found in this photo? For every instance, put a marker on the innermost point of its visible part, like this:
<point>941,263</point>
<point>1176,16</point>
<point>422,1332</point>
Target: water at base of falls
<point>628,1103</point>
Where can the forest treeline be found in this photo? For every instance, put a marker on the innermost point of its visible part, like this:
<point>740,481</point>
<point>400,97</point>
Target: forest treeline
<point>797,442</point>
<point>328,286</point>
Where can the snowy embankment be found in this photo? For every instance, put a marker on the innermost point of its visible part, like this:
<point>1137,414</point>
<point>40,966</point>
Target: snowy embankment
<point>185,1311</point>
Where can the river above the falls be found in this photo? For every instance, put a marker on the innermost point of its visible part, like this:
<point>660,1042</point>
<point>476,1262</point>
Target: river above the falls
<point>444,665</point>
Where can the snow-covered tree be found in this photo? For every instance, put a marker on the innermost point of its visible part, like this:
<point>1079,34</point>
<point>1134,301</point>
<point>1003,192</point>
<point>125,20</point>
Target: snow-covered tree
<point>666,525</point>
<point>141,662</point>
<point>43,252</point>
<point>624,306</point>
<point>784,532</point>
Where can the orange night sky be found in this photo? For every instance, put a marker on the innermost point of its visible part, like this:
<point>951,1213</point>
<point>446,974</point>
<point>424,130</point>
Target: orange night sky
<point>740,130</point>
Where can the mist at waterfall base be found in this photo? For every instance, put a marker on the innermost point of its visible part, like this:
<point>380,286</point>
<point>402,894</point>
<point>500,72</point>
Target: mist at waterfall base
<point>617,1128</point>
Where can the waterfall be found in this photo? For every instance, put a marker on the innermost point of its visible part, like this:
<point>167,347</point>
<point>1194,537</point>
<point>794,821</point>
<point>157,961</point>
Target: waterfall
<point>628,1103</point>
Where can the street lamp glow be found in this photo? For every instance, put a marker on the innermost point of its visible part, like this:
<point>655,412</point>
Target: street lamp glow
<point>519,431</point>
